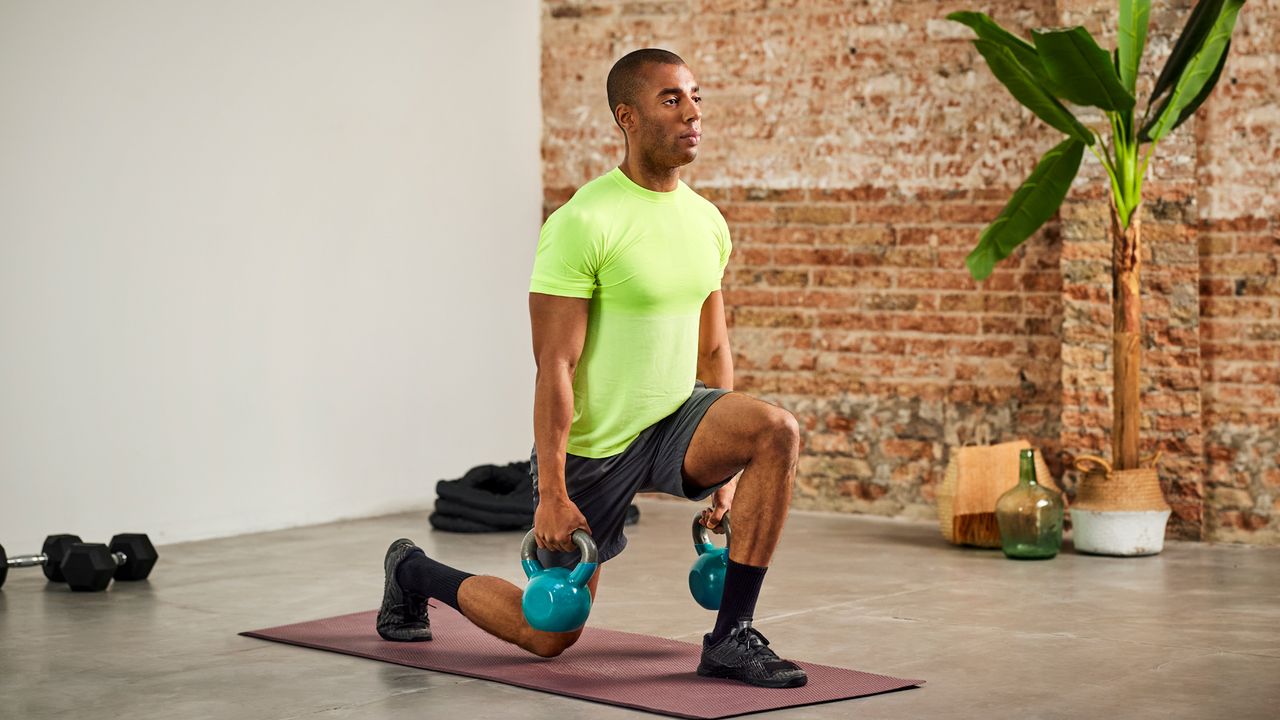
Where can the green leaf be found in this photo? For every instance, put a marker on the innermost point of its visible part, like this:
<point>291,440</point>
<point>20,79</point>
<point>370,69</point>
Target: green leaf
<point>1082,71</point>
<point>1205,91</point>
<point>1031,205</point>
<point>1189,40</point>
<point>1197,73</point>
<point>990,30</point>
<point>1123,130</point>
<point>1030,93</point>
<point>1135,16</point>
<point>1192,106</point>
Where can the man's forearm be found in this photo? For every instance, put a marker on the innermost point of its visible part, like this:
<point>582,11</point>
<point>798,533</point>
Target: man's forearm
<point>715,369</point>
<point>552,417</point>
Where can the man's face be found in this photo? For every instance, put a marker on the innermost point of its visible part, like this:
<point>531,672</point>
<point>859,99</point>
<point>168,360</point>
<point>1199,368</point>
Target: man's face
<point>667,119</point>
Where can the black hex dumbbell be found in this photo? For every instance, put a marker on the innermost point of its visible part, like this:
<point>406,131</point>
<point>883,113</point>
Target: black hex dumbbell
<point>89,567</point>
<point>50,558</point>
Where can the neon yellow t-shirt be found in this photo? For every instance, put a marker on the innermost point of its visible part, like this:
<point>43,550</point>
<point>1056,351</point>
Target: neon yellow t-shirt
<point>648,260</point>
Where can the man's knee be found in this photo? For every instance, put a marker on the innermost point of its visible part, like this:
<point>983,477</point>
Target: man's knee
<point>781,431</point>
<point>549,645</point>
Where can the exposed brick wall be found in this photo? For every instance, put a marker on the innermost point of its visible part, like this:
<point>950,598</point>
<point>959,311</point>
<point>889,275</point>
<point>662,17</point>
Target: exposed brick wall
<point>847,308</point>
<point>1240,327</point>
<point>1238,174</point>
<point>848,146</point>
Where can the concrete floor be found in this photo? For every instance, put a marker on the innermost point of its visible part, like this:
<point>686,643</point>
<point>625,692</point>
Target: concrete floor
<point>1192,633</point>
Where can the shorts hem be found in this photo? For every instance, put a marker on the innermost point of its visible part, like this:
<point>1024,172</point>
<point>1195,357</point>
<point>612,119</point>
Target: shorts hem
<point>703,493</point>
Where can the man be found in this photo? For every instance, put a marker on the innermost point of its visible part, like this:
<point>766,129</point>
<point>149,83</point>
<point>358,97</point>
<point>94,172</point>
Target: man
<point>626,312</point>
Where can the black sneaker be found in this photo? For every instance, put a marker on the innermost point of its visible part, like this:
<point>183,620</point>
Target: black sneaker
<point>403,616</point>
<point>744,655</point>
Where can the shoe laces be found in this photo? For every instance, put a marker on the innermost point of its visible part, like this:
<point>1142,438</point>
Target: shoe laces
<point>417,604</point>
<point>753,641</point>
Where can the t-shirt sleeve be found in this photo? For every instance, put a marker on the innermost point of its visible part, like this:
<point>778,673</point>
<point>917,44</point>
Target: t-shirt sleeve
<point>725,244</point>
<point>568,257</point>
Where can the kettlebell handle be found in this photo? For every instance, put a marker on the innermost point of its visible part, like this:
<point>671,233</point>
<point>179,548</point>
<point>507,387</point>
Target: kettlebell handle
<point>581,538</point>
<point>702,535</point>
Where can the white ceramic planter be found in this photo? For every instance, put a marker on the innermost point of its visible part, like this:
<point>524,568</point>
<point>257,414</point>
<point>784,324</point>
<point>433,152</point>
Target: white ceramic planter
<point>1118,532</point>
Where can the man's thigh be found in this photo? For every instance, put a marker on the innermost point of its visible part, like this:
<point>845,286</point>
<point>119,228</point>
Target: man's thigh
<point>671,440</point>
<point>727,437</point>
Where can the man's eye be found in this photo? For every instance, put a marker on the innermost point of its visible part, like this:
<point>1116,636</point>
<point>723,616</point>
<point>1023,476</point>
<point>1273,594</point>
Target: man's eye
<point>669,101</point>
<point>697,99</point>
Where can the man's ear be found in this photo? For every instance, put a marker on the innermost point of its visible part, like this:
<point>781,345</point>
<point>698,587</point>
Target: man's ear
<point>626,116</point>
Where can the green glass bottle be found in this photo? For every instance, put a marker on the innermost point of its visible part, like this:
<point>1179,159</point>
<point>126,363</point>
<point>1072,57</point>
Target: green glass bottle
<point>1029,515</point>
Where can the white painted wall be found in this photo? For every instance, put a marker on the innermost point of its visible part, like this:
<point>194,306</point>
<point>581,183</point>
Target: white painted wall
<point>262,263</point>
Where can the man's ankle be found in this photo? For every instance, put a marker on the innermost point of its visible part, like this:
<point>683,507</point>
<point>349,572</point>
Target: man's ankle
<point>420,575</point>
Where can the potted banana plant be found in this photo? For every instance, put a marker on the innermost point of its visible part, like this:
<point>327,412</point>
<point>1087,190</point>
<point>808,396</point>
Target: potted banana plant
<point>1119,508</point>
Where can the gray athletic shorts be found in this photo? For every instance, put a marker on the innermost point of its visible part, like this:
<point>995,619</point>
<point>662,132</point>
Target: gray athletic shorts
<point>602,488</point>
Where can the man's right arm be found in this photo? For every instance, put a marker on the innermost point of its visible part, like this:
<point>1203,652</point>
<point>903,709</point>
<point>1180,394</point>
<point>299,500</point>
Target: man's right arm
<point>559,331</point>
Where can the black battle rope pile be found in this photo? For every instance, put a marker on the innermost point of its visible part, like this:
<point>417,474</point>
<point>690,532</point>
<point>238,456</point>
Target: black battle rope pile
<point>491,498</point>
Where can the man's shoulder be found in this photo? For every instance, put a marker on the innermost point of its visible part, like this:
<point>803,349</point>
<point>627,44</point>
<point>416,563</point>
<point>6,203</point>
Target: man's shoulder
<point>590,203</point>
<point>702,205</point>
<point>602,190</point>
<point>695,198</point>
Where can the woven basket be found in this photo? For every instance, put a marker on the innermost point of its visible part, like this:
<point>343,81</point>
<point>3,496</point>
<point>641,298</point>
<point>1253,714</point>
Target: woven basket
<point>1102,488</point>
<point>975,478</point>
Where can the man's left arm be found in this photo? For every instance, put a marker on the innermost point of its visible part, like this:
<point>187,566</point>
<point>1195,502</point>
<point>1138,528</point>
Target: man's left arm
<point>715,360</point>
<point>715,369</point>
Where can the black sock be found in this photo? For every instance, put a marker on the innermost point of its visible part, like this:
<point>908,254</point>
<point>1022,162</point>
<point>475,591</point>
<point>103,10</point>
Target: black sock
<point>420,575</point>
<point>741,588</point>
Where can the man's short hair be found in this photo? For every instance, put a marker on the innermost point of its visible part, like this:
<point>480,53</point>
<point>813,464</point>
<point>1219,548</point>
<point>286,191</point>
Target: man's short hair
<point>624,78</point>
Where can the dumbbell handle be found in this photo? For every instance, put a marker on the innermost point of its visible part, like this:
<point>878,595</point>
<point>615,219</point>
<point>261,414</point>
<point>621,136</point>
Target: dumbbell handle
<point>42,559</point>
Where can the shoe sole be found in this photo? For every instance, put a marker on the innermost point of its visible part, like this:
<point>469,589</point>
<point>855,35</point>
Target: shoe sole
<point>731,674</point>
<point>421,638</point>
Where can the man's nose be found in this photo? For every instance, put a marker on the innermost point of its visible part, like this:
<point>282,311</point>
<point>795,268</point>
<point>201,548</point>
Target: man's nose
<point>693,113</point>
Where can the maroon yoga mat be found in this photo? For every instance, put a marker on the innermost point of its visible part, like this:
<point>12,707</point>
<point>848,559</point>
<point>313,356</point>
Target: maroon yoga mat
<point>618,668</point>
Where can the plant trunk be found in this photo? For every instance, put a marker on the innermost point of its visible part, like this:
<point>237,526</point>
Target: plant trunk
<point>1126,262</point>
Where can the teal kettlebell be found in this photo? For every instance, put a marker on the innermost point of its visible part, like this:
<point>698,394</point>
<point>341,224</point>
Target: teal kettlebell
<point>706,579</point>
<point>557,600</point>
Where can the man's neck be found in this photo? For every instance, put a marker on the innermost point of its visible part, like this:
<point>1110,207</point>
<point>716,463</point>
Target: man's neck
<point>657,179</point>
